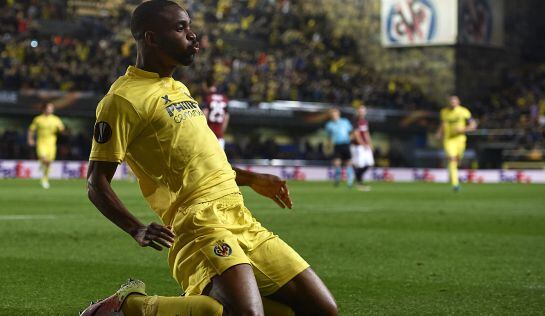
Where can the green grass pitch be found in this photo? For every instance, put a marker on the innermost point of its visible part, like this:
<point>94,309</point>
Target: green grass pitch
<point>401,249</point>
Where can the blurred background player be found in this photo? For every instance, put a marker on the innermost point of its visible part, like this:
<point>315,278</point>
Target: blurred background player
<point>361,148</point>
<point>339,130</point>
<point>45,126</point>
<point>216,111</point>
<point>456,121</point>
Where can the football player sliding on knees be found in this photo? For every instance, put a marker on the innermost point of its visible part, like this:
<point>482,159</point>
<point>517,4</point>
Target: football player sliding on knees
<point>224,260</point>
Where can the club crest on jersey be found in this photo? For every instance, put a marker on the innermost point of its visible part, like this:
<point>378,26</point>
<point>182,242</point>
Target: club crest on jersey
<point>102,132</point>
<point>221,249</point>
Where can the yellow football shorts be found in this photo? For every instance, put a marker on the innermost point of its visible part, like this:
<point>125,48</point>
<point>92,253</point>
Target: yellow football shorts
<point>214,236</point>
<point>46,151</point>
<point>454,147</point>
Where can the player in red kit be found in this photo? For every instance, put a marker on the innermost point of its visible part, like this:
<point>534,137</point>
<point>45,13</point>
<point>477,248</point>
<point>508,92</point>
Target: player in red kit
<point>362,148</point>
<point>216,112</point>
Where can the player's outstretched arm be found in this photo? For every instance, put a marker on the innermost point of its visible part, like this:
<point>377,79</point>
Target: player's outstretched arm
<point>226,118</point>
<point>369,140</point>
<point>100,192</point>
<point>439,132</point>
<point>471,125</point>
<point>30,138</point>
<point>267,185</point>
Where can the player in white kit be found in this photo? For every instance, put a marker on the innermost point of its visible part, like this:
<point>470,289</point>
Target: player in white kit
<point>362,148</point>
<point>217,113</point>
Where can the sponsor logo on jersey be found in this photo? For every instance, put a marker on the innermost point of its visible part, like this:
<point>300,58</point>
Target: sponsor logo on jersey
<point>456,119</point>
<point>180,111</point>
<point>181,106</point>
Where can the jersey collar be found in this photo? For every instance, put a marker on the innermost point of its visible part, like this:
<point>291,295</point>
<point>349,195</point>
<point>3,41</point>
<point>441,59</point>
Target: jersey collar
<point>137,72</point>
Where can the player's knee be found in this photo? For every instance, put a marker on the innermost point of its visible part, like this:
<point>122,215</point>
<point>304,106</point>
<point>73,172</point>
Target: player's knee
<point>328,308</point>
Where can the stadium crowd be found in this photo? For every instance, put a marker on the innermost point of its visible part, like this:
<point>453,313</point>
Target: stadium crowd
<point>255,50</point>
<point>518,107</point>
<point>259,50</point>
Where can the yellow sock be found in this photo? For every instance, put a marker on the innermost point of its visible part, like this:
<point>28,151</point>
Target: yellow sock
<point>273,308</point>
<point>453,172</point>
<point>197,305</point>
<point>46,172</point>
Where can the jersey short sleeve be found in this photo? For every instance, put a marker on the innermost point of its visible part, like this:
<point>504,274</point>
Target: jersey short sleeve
<point>33,125</point>
<point>442,115</point>
<point>329,128</point>
<point>116,126</point>
<point>467,114</point>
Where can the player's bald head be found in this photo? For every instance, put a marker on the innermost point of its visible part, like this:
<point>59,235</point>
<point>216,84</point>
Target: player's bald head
<point>362,110</point>
<point>454,100</point>
<point>335,113</point>
<point>48,107</point>
<point>147,16</point>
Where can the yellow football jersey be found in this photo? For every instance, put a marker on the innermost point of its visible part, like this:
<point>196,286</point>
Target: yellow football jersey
<point>46,128</point>
<point>158,128</point>
<point>454,119</point>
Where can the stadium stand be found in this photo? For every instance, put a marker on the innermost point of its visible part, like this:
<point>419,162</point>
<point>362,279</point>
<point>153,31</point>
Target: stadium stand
<point>258,50</point>
<point>298,56</point>
<point>515,113</point>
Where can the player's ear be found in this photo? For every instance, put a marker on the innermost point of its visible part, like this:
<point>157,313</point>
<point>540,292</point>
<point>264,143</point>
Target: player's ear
<point>150,38</point>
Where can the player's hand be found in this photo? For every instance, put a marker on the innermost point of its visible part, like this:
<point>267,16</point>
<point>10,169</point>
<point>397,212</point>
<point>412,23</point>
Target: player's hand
<point>154,235</point>
<point>31,143</point>
<point>274,188</point>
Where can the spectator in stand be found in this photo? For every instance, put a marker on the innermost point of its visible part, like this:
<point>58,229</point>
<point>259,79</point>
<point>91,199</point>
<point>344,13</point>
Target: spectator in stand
<point>280,47</point>
<point>518,105</point>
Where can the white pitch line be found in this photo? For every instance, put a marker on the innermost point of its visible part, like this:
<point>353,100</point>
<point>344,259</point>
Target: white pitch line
<point>25,217</point>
